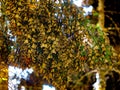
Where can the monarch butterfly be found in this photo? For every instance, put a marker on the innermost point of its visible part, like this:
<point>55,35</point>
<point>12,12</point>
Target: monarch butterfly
<point>27,60</point>
<point>83,58</point>
<point>18,33</point>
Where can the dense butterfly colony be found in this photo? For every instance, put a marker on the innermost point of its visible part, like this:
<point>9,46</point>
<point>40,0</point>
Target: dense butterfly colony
<point>55,39</point>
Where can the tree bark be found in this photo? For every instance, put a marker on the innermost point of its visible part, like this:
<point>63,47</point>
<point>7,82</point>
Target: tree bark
<point>101,17</point>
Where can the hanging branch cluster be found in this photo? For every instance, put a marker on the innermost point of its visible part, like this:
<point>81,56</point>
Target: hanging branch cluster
<point>55,39</point>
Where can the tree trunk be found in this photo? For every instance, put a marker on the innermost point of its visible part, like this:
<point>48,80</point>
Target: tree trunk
<point>101,18</point>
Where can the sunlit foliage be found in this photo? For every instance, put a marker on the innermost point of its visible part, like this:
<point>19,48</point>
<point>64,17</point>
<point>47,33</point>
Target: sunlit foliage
<point>55,39</point>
